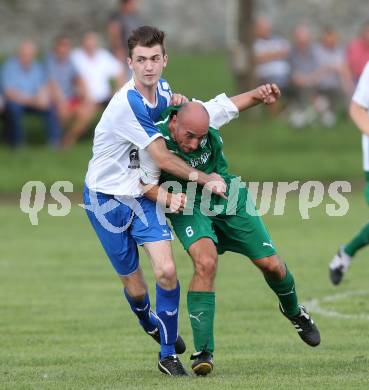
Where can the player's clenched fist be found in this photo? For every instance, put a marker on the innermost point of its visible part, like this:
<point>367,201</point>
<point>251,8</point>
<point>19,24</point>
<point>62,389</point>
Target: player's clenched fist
<point>268,93</point>
<point>217,185</point>
<point>178,99</point>
<point>177,202</point>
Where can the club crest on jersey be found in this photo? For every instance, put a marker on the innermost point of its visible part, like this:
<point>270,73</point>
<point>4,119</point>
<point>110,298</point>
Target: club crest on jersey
<point>134,160</point>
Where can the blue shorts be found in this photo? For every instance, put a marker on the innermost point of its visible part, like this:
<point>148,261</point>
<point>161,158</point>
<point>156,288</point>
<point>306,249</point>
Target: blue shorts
<point>122,223</point>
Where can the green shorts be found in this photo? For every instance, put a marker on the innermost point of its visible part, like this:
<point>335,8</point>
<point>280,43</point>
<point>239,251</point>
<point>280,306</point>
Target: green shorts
<point>241,233</point>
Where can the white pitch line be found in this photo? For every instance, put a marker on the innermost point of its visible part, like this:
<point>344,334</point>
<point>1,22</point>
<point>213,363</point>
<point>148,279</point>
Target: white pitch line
<point>314,305</point>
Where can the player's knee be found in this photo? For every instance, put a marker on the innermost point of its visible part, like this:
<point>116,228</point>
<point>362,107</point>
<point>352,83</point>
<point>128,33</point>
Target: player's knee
<point>206,267</point>
<point>273,267</point>
<point>167,275</point>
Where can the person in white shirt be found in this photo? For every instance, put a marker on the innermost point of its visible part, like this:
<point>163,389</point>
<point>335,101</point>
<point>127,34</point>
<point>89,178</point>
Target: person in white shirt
<point>121,216</point>
<point>271,55</point>
<point>359,114</point>
<point>97,68</point>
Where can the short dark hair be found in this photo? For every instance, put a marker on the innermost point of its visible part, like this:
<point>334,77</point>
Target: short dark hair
<point>61,37</point>
<point>146,36</point>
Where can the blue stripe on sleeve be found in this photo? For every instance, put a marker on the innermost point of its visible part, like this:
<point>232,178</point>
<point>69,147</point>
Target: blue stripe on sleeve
<point>139,109</point>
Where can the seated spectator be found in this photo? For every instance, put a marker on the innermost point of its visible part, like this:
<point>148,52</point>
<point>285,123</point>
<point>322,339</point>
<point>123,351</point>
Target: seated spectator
<point>333,76</point>
<point>68,92</point>
<point>25,90</point>
<point>304,73</point>
<point>97,67</point>
<point>271,55</point>
<point>358,52</point>
<point>120,25</point>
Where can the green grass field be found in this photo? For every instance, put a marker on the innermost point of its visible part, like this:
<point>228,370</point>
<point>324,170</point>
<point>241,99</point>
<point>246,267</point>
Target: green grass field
<point>65,325</point>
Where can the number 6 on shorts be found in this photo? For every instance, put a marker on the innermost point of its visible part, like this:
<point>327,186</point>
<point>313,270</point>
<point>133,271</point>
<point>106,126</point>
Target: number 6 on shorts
<point>189,231</point>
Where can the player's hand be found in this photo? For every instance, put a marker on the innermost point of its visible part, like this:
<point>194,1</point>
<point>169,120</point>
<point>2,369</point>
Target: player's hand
<point>177,202</point>
<point>178,99</point>
<point>216,185</point>
<point>268,93</point>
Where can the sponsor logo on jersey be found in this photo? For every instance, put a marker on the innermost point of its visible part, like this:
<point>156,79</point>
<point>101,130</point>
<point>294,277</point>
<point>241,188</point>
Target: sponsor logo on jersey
<point>203,159</point>
<point>204,142</point>
<point>134,160</point>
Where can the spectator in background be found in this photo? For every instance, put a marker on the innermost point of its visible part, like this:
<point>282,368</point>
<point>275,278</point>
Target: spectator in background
<point>271,55</point>
<point>304,68</point>
<point>358,52</point>
<point>120,25</point>
<point>25,90</point>
<point>68,92</point>
<point>332,77</point>
<point>97,68</point>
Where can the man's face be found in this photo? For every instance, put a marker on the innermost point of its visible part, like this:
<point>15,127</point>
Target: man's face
<point>188,134</point>
<point>147,64</point>
<point>263,28</point>
<point>302,37</point>
<point>26,53</point>
<point>90,43</point>
<point>62,48</point>
<point>329,39</point>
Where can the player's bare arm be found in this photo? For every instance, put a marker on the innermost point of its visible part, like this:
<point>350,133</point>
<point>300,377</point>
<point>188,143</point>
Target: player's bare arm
<point>359,115</point>
<point>176,202</point>
<point>167,161</point>
<point>266,93</point>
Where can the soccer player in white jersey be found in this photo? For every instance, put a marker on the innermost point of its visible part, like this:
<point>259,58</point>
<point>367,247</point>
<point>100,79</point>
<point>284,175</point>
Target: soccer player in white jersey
<point>359,114</point>
<point>121,217</point>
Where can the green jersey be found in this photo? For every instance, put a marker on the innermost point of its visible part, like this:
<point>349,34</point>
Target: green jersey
<point>207,158</point>
<point>230,226</point>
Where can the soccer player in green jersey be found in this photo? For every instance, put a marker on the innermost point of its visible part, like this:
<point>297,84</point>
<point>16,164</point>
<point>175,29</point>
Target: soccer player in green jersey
<point>210,225</point>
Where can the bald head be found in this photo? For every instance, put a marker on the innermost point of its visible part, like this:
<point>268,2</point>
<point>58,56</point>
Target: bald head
<point>194,115</point>
<point>190,126</point>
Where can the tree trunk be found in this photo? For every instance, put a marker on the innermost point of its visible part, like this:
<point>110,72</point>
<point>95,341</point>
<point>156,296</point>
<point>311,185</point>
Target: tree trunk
<point>243,61</point>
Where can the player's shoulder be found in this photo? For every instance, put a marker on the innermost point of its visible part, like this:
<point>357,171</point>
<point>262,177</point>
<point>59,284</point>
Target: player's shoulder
<point>126,99</point>
<point>164,90</point>
<point>164,85</point>
<point>128,91</point>
<point>130,99</point>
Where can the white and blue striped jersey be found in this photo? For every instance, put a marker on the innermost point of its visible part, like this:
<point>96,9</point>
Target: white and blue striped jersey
<point>361,97</point>
<point>126,125</point>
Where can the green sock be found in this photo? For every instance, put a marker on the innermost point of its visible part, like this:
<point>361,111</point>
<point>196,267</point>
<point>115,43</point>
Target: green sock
<point>359,241</point>
<point>201,309</point>
<point>285,290</point>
